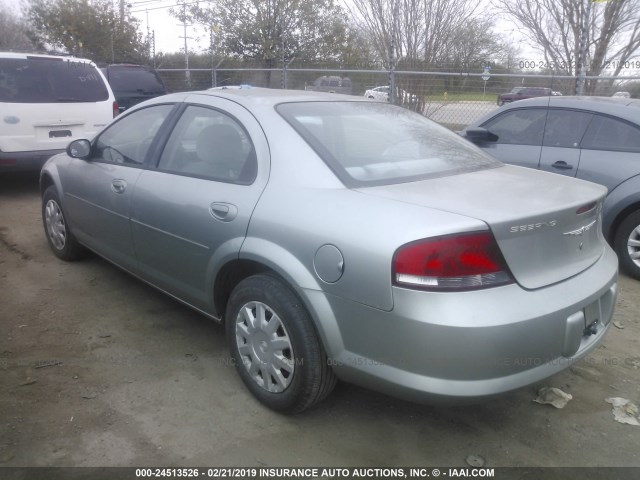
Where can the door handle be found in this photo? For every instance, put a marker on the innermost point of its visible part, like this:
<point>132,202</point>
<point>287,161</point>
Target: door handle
<point>225,212</point>
<point>562,165</point>
<point>118,185</point>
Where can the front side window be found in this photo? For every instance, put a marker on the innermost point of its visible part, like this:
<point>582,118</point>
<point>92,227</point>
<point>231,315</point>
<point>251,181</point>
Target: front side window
<point>565,128</point>
<point>209,144</point>
<point>519,127</point>
<point>128,140</point>
<point>50,80</point>
<point>369,143</point>
<point>606,133</point>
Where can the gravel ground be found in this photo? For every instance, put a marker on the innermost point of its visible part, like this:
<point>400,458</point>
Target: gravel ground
<point>98,369</point>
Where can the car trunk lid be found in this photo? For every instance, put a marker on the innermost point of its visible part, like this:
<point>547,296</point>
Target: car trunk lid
<point>547,226</point>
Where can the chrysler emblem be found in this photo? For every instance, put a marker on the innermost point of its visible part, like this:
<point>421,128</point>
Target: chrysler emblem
<point>581,230</point>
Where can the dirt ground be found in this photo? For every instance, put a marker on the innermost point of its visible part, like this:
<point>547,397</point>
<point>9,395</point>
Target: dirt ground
<point>98,369</point>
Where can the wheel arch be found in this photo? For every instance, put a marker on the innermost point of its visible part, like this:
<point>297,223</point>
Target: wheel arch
<point>262,256</point>
<point>46,181</point>
<point>615,224</point>
<point>619,204</point>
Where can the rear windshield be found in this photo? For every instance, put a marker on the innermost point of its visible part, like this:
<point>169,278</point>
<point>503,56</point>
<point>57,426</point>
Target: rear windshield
<point>371,143</point>
<point>134,79</point>
<point>50,80</point>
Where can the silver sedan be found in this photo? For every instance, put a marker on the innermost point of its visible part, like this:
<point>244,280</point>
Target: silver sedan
<point>339,238</point>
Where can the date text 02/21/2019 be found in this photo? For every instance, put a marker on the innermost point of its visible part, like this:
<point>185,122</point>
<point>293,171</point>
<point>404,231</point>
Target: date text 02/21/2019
<point>312,472</point>
<point>563,65</point>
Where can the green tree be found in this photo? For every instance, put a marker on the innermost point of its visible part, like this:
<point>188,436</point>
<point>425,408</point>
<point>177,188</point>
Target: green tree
<point>271,32</point>
<point>13,32</point>
<point>88,28</point>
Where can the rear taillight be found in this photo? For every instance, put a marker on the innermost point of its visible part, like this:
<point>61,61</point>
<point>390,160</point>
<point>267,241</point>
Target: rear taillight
<point>116,110</point>
<point>466,261</point>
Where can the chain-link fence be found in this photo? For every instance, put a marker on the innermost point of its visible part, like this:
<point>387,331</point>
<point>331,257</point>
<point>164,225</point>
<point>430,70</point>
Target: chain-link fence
<point>452,99</point>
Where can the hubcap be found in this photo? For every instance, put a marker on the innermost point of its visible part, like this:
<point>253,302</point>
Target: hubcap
<point>265,347</point>
<point>56,228</point>
<point>633,246</point>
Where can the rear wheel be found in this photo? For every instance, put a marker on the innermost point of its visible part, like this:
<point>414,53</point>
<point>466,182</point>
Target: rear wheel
<point>275,347</point>
<point>627,244</point>
<point>61,240</point>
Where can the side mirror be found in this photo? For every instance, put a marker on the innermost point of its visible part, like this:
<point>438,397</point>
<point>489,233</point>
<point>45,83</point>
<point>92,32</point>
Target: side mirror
<point>79,149</point>
<point>479,134</point>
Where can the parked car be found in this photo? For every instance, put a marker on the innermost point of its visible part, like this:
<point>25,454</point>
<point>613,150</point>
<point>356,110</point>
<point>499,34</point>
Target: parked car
<point>132,84</point>
<point>592,138</point>
<point>46,101</point>
<point>382,94</point>
<point>521,93</point>
<point>378,93</point>
<point>621,95</point>
<point>331,84</point>
<point>337,237</point>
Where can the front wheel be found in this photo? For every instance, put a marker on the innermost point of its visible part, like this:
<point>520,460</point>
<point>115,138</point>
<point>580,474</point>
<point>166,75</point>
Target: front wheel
<point>627,245</point>
<point>61,240</point>
<point>275,347</point>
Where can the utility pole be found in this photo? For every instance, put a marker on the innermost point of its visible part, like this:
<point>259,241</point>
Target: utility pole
<point>148,35</point>
<point>153,33</point>
<point>122,10</point>
<point>187,73</point>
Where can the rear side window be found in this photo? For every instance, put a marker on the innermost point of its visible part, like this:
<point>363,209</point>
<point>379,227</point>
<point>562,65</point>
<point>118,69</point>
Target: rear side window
<point>606,133</point>
<point>50,80</point>
<point>565,128</point>
<point>371,143</point>
<point>207,143</point>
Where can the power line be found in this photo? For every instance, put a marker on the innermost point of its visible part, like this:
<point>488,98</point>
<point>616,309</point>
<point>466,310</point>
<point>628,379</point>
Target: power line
<point>161,7</point>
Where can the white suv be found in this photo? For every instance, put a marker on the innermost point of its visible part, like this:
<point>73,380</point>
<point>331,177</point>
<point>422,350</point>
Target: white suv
<point>45,102</point>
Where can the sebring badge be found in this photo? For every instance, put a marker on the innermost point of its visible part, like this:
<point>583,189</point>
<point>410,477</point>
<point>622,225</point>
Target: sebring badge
<point>581,230</point>
<point>533,226</point>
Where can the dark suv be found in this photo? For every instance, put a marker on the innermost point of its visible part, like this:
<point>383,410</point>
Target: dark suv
<point>132,84</point>
<point>520,93</point>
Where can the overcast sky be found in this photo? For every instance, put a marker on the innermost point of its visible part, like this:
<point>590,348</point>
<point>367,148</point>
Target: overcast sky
<point>169,32</point>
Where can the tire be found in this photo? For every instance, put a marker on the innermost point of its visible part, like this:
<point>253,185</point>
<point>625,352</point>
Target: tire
<point>500,102</point>
<point>283,364</point>
<point>61,240</point>
<point>627,243</point>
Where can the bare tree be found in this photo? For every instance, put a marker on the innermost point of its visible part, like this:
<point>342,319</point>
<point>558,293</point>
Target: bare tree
<point>420,30</point>
<point>423,34</point>
<point>555,26</point>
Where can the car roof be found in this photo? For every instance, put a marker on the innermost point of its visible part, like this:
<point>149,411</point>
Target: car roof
<point>258,96</point>
<point>626,108</point>
<point>42,55</point>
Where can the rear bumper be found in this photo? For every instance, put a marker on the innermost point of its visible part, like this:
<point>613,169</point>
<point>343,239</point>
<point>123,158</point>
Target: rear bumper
<point>25,161</point>
<point>443,347</point>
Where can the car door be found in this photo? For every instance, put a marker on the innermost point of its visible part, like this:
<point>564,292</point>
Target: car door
<point>563,133</point>
<point>520,132</point>
<point>191,213</point>
<point>98,190</point>
<point>610,151</point>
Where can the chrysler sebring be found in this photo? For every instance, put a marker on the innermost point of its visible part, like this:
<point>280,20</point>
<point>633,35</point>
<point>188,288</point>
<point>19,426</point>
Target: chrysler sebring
<point>339,238</point>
